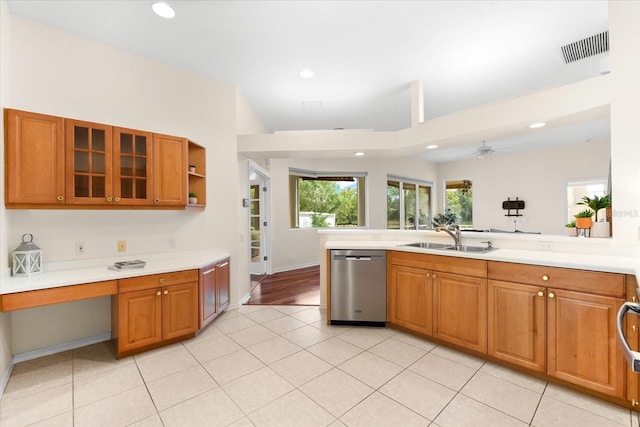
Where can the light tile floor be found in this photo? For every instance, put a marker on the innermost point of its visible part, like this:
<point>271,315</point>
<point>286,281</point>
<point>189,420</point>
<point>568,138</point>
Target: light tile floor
<point>283,366</point>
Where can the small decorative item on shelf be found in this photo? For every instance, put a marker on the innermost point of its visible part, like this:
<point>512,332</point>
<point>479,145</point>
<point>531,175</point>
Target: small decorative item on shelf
<point>600,228</point>
<point>583,219</point>
<point>571,229</point>
<point>27,258</point>
<point>192,168</point>
<point>193,198</point>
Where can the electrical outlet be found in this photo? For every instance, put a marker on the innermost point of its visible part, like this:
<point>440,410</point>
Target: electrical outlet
<point>545,246</point>
<point>172,243</point>
<point>80,248</point>
<point>122,245</point>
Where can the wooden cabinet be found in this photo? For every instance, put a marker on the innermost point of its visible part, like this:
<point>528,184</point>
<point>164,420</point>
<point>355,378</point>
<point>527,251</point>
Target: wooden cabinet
<point>213,290</point>
<point>409,298</point>
<point>582,342</point>
<point>170,170</point>
<point>132,167</point>
<point>517,324</point>
<point>88,163</point>
<point>426,295</point>
<point>155,310</point>
<point>34,159</point>
<point>197,174</point>
<point>53,162</point>
<point>581,306</point>
<point>460,310</point>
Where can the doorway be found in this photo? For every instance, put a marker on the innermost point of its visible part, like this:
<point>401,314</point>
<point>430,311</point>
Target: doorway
<point>259,226</point>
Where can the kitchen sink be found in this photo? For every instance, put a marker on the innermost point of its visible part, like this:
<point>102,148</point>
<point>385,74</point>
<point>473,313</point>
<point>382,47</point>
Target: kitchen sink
<point>429,245</point>
<point>447,247</point>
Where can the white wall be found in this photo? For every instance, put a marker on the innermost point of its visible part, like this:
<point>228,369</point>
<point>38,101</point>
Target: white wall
<point>5,318</point>
<point>538,177</point>
<point>299,247</point>
<point>58,73</point>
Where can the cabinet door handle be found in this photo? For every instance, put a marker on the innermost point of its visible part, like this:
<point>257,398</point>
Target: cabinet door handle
<point>162,281</point>
<point>552,295</point>
<point>540,293</point>
<point>158,293</point>
<point>117,199</point>
<point>109,199</point>
<point>634,328</point>
<point>434,276</point>
<point>545,278</point>
<point>166,291</point>
<point>428,275</point>
<point>157,200</point>
<point>60,198</point>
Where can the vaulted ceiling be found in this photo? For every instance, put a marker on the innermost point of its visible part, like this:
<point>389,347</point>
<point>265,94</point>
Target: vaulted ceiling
<point>364,54</point>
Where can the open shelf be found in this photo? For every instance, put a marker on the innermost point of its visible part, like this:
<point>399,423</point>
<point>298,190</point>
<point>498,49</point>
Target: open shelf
<point>197,179</point>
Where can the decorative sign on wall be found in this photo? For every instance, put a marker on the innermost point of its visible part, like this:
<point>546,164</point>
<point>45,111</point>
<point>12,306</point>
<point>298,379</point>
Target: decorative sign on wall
<point>513,205</point>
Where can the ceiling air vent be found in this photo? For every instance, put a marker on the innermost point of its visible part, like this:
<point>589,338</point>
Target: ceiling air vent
<point>586,47</point>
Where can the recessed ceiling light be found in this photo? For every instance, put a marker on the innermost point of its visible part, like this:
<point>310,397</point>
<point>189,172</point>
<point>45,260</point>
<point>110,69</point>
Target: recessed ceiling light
<point>537,125</point>
<point>432,146</point>
<point>359,153</point>
<point>164,10</point>
<point>306,73</point>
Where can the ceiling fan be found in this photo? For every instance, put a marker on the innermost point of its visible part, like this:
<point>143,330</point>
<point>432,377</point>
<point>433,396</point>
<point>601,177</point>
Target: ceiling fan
<point>484,151</point>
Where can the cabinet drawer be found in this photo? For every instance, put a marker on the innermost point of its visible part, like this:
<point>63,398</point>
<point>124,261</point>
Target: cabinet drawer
<point>594,282</point>
<point>157,280</point>
<point>445,264</point>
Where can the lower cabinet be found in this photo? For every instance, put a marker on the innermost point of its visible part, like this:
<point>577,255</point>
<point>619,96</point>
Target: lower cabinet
<point>213,290</point>
<point>155,309</point>
<point>409,299</point>
<point>582,342</point>
<point>517,324</point>
<point>578,311</point>
<point>460,310</point>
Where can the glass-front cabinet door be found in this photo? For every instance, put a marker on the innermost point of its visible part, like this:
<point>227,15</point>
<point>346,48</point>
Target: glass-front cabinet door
<point>132,162</point>
<point>89,162</point>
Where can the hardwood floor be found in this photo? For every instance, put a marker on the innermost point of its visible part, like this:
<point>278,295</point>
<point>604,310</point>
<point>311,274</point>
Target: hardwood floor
<point>295,287</point>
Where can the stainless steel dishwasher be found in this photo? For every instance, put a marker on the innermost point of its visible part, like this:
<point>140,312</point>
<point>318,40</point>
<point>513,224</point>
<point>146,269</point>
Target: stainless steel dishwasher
<point>358,287</point>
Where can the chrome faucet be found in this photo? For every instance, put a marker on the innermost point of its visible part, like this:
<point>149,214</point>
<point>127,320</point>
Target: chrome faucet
<point>456,236</point>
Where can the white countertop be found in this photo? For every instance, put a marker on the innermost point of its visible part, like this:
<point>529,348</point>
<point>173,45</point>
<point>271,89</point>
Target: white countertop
<point>596,262</point>
<point>73,273</point>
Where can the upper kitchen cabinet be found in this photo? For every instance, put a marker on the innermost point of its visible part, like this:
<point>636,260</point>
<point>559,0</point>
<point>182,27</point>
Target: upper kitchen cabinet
<point>34,159</point>
<point>170,169</point>
<point>133,167</point>
<point>89,163</point>
<point>53,162</point>
<point>197,174</point>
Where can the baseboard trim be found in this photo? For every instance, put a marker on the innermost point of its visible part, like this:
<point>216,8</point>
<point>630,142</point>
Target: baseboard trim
<point>5,377</point>
<point>295,267</point>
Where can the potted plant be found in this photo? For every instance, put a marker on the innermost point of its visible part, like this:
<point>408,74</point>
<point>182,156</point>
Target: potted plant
<point>571,229</point>
<point>193,198</point>
<point>583,219</point>
<point>446,219</point>
<point>600,228</point>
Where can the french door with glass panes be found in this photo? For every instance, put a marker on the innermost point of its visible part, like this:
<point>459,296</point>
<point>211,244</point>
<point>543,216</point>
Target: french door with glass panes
<point>258,229</point>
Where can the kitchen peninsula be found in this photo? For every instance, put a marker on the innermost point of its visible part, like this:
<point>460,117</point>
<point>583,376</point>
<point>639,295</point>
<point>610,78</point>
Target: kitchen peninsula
<point>543,304</point>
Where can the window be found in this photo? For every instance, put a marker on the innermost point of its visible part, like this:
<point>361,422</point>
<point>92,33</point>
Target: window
<point>408,204</point>
<point>459,200</point>
<point>326,199</point>
<point>576,190</point>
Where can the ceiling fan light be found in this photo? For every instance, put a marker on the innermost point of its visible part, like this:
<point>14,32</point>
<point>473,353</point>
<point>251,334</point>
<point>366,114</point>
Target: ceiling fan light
<point>163,10</point>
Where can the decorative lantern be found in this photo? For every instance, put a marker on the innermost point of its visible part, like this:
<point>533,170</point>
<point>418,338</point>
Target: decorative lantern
<point>27,258</point>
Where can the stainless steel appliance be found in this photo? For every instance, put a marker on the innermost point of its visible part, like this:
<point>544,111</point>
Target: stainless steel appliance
<point>358,287</point>
<point>633,357</point>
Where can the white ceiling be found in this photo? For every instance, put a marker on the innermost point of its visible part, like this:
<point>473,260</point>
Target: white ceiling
<point>364,54</point>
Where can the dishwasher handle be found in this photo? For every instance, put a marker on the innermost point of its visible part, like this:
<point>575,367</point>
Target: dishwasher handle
<point>357,258</point>
<point>633,357</point>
